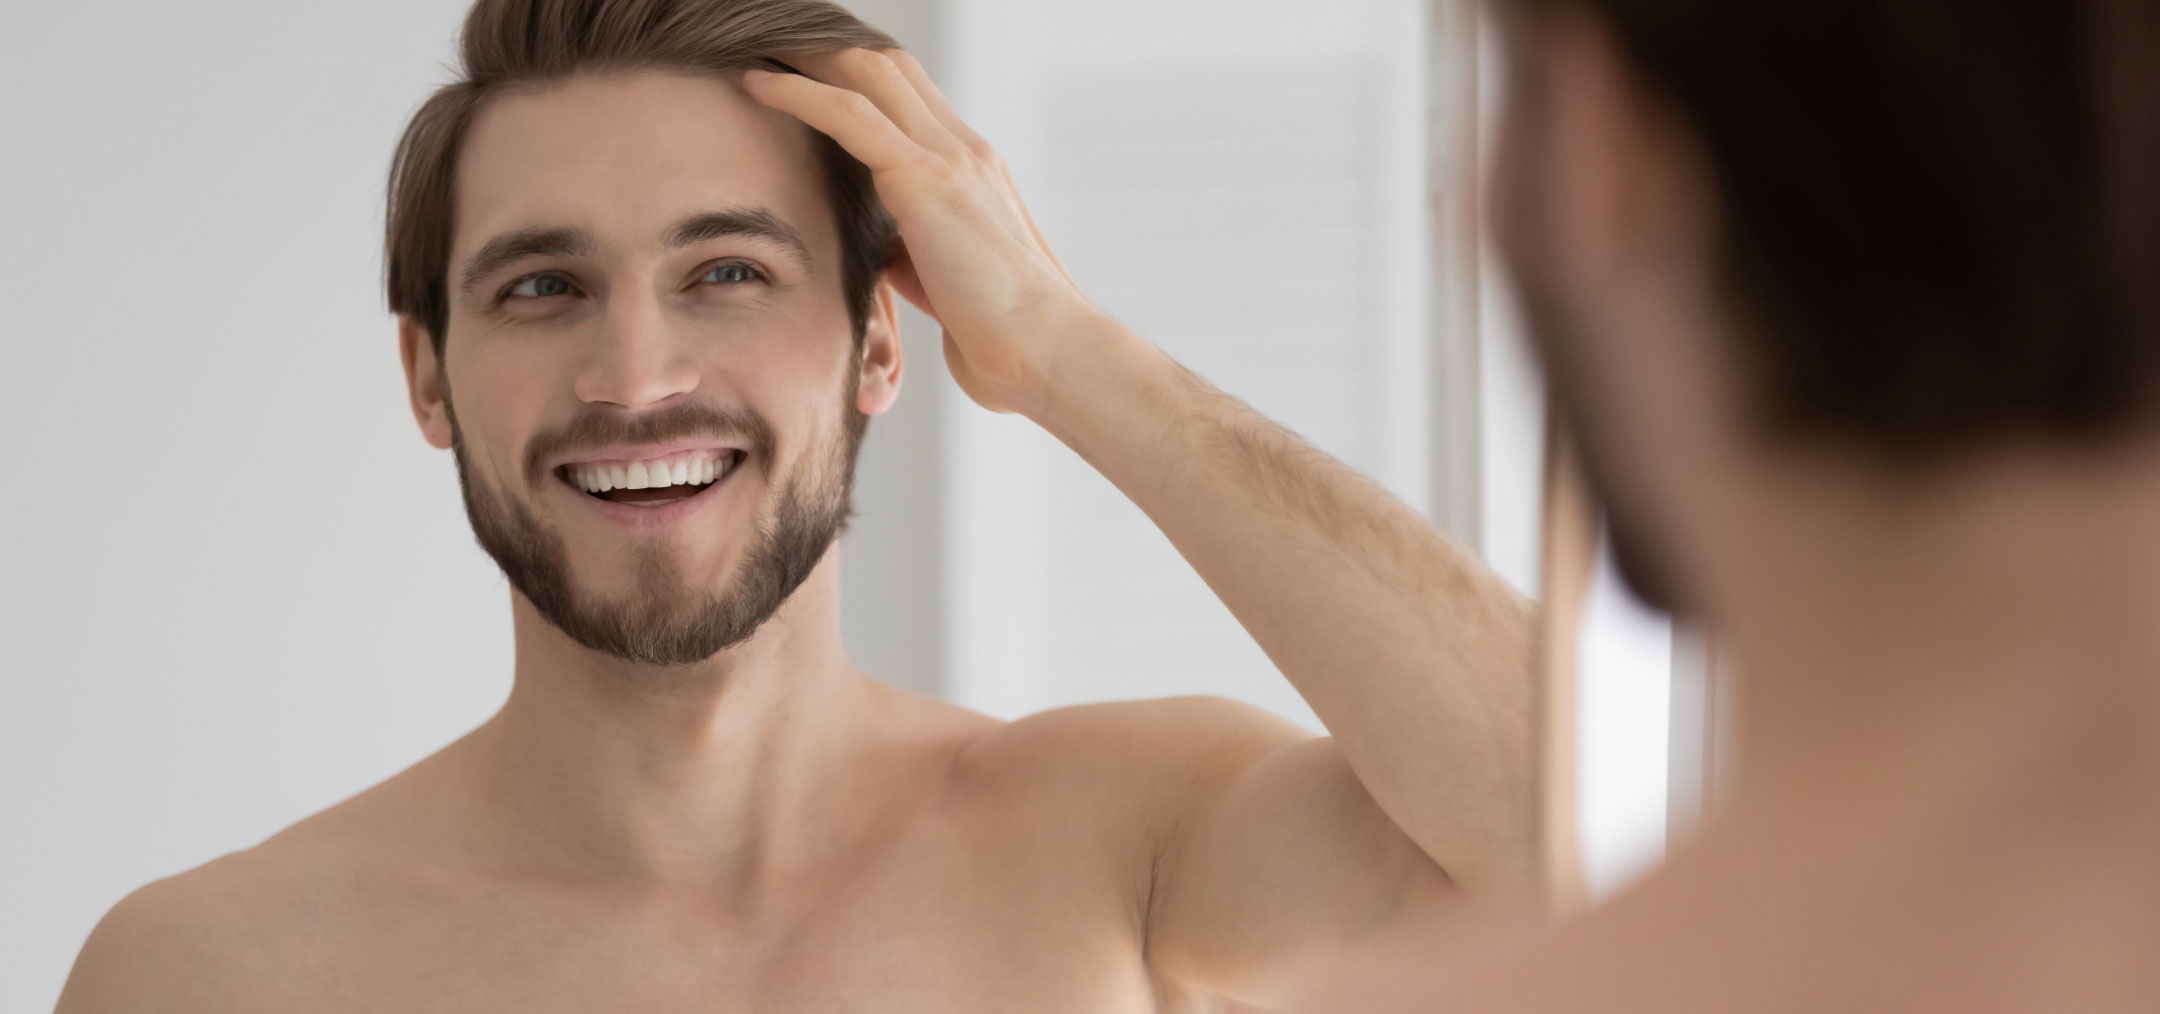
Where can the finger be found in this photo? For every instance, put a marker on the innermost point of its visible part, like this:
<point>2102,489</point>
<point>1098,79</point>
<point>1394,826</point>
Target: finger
<point>956,364</point>
<point>877,77</point>
<point>942,108</point>
<point>847,117</point>
<point>935,99</point>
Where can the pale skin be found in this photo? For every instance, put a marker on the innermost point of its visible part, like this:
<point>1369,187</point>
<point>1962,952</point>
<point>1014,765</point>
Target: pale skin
<point>771,829</point>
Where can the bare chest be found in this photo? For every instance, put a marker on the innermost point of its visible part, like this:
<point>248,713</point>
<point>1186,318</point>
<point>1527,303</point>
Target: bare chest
<point>940,932</point>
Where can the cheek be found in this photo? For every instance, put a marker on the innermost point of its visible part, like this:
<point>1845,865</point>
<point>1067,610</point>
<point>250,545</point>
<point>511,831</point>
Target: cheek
<point>791,368</point>
<point>498,401</point>
<point>806,418</point>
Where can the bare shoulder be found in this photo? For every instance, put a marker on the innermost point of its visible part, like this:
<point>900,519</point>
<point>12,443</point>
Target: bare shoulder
<point>1147,731</point>
<point>250,930</point>
<point>1145,758</point>
<point>215,938</point>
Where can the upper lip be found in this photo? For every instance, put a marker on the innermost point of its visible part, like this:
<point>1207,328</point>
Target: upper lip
<point>640,452</point>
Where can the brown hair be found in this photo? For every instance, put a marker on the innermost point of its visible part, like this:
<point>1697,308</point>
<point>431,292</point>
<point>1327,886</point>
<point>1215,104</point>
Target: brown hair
<point>512,43</point>
<point>1940,219</point>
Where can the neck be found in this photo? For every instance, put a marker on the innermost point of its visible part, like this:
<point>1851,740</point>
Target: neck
<point>730,775</point>
<point>1975,657</point>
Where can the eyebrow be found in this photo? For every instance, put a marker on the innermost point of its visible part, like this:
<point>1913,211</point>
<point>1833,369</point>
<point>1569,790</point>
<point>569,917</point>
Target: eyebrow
<point>754,223</point>
<point>568,241</point>
<point>512,247</point>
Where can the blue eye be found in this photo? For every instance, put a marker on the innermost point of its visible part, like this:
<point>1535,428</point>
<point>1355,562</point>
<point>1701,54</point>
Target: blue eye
<point>731,273</point>
<point>539,287</point>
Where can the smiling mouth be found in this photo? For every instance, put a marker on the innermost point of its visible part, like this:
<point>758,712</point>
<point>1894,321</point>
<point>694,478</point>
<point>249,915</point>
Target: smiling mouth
<point>651,484</point>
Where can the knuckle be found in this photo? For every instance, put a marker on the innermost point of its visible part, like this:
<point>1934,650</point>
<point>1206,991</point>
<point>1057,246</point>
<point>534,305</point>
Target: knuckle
<point>936,176</point>
<point>939,171</point>
<point>903,59</point>
<point>883,70</point>
<point>858,105</point>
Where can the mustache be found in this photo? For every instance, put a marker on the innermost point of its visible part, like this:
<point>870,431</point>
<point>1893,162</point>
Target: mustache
<point>601,428</point>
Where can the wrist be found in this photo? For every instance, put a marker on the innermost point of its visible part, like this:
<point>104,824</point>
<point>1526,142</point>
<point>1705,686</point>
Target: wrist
<point>1097,382</point>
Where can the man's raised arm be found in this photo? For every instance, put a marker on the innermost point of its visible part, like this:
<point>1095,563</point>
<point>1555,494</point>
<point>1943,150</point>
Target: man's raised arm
<point>1414,654</point>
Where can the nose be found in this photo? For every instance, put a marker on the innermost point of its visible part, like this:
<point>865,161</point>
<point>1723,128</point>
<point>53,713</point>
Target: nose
<point>638,359</point>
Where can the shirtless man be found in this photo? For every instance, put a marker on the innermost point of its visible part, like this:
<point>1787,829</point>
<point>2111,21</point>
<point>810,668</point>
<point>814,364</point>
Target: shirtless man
<point>1857,309</point>
<point>611,248</point>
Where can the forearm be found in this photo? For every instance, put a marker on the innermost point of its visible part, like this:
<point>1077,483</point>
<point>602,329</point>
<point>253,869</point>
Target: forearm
<point>1415,656</point>
<point>1413,653</point>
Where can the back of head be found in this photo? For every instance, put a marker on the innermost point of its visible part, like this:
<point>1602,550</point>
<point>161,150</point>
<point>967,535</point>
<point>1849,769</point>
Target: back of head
<point>1940,219</point>
<point>508,44</point>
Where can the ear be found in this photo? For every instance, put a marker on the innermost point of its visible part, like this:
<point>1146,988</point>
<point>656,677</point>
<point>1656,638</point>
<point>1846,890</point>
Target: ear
<point>879,385</point>
<point>424,381</point>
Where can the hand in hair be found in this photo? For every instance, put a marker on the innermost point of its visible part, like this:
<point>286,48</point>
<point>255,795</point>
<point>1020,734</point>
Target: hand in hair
<point>972,256</point>
<point>1409,650</point>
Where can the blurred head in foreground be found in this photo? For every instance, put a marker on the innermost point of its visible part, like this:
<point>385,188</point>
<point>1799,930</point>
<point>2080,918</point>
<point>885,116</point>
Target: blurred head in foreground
<point>1793,259</point>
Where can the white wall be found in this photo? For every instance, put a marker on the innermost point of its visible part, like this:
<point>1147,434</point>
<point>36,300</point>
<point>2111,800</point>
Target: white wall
<point>237,586</point>
<point>1241,181</point>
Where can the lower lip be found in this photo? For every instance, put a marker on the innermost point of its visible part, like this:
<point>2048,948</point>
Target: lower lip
<point>634,516</point>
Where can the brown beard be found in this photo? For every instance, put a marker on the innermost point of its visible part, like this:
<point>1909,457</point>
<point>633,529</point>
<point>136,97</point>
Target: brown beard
<point>666,621</point>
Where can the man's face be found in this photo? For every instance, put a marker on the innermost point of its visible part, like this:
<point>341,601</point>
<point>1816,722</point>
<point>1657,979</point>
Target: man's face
<point>645,291</point>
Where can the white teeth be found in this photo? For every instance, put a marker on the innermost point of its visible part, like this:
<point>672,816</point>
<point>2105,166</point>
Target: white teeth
<point>692,470</point>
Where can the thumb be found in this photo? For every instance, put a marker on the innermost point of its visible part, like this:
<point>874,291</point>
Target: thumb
<point>970,384</point>
<point>901,273</point>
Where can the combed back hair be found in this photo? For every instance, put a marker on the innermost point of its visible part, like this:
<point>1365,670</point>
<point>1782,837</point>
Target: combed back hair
<point>524,43</point>
<point>1940,219</point>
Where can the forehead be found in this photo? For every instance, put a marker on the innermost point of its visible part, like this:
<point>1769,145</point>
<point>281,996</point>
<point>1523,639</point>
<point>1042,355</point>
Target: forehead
<point>626,156</point>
